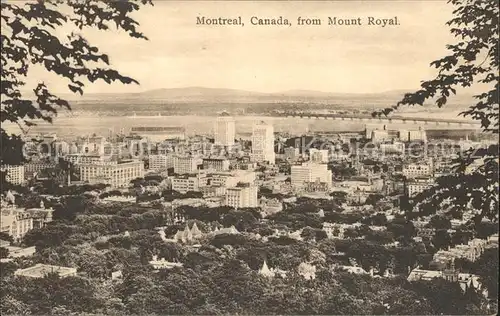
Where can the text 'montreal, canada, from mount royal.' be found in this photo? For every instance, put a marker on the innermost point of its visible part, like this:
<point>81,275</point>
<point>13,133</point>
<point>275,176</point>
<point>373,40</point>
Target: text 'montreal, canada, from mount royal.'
<point>299,21</point>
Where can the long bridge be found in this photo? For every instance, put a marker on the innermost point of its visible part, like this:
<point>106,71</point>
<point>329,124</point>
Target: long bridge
<point>395,119</point>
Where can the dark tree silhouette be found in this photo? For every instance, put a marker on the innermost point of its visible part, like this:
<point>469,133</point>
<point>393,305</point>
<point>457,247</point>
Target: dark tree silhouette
<point>41,33</point>
<point>473,59</point>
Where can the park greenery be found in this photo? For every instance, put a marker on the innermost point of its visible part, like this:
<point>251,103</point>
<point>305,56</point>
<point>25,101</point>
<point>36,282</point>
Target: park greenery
<point>473,60</point>
<point>222,277</point>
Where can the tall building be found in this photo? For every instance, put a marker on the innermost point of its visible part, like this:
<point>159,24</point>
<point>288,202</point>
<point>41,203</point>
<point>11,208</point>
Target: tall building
<point>309,173</point>
<point>243,195</point>
<point>15,174</point>
<point>263,143</point>
<point>225,130</point>
<point>116,174</point>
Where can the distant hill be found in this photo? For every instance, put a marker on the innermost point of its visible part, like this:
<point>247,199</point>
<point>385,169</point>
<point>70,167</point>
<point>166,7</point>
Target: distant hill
<point>201,100</point>
<point>202,94</point>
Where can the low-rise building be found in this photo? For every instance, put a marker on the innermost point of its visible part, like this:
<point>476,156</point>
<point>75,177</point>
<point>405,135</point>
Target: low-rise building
<point>18,252</point>
<point>392,148</point>
<point>33,167</point>
<point>379,136</point>
<point>414,170</point>
<point>120,198</point>
<point>292,154</point>
<point>217,164</point>
<point>417,135</point>
<point>15,222</point>
<point>41,215</point>
<point>241,196</point>
<point>186,164</point>
<point>189,182</point>
<point>231,178</point>
<point>318,155</point>
<point>337,230</point>
<point>310,172</point>
<point>470,251</point>
<point>213,191</point>
<point>161,162</point>
<point>270,206</point>
<point>78,159</point>
<point>418,185</point>
<point>164,264</point>
<point>116,174</point>
<point>465,280</point>
<point>353,270</point>
<point>271,272</point>
<point>14,174</point>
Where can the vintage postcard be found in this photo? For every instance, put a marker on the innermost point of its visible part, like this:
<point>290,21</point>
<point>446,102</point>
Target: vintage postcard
<point>249,157</point>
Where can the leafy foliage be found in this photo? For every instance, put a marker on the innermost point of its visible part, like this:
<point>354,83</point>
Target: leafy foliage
<point>47,34</point>
<point>473,59</point>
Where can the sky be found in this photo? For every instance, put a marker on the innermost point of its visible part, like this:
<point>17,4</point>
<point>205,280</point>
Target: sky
<point>354,59</point>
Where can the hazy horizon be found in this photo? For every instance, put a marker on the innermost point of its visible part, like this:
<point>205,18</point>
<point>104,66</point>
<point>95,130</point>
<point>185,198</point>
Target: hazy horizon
<point>268,59</point>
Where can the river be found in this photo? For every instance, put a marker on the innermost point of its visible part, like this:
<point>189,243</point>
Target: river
<point>82,125</point>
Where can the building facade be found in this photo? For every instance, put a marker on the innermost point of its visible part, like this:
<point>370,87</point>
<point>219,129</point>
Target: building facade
<point>392,148</point>
<point>33,167</point>
<point>292,153</point>
<point>310,172</point>
<point>185,183</point>
<point>217,164</point>
<point>419,135</point>
<point>116,174</point>
<point>318,155</point>
<point>231,178</point>
<point>15,174</point>
<point>418,185</point>
<point>263,143</point>
<point>414,170</point>
<point>225,130</point>
<point>159,133</point>
<point>161,162</point>
<point>77,159</point>
<point>241,196</point>
<point>187,164</point>
<point>16,222</point>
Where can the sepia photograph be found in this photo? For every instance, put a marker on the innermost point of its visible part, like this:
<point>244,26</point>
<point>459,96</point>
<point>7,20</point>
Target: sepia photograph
<point>248,157</point>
